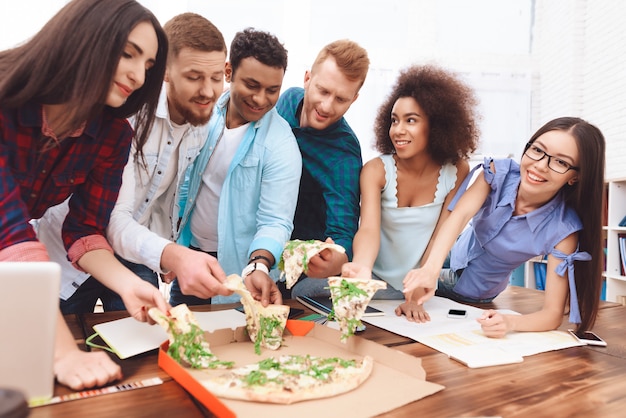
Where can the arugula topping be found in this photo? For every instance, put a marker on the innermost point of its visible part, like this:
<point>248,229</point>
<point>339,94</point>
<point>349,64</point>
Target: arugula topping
<point>290,248</point>
<point>267,325</point>
<point>190,347</point>
<point>319,368</point>
<point>346,289</point>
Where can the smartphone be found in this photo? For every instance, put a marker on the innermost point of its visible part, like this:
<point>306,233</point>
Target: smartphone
<point>457,313</point>
<point>588,338</point>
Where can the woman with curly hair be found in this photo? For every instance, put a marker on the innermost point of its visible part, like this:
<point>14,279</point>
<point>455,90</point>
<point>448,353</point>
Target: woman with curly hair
<point>425,130</point>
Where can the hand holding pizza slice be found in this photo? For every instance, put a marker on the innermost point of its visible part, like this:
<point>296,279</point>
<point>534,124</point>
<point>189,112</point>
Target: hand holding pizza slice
<point>296,256</point>
<point>188,345</point>
<point>265,324</point>
<point>350,299</point>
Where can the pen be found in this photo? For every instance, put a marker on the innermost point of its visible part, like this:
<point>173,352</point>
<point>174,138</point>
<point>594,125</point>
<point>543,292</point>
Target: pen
<point>96,392</point>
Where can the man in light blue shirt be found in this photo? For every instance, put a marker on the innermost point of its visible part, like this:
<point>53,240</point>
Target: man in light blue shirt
<point>243,187</point>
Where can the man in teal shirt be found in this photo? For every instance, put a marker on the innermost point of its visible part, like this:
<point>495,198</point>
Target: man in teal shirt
<point>328,203</point>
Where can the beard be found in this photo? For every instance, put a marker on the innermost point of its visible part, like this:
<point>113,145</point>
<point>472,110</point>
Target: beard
<point>185,110</point>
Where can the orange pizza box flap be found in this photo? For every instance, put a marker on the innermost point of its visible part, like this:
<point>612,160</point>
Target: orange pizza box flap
<point>393,370</point>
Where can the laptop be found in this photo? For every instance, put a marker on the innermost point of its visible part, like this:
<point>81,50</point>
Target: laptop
<point>29,303</point>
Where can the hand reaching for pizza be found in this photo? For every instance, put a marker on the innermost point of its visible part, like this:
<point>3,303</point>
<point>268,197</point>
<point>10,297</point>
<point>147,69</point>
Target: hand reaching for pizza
<point>198,273</point>
<point>263,288</point>
<point>141,296</point>
<point>326,263</point>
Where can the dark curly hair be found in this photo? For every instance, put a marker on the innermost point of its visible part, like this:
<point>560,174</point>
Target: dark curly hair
<point>262,46</point>
<point>449,104</point>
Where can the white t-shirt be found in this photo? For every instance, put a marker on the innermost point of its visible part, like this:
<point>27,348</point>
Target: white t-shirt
<point>204,218</point>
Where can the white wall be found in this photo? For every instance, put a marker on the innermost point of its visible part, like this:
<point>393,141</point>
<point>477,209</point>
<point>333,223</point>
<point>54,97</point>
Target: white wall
<point>580,55</point>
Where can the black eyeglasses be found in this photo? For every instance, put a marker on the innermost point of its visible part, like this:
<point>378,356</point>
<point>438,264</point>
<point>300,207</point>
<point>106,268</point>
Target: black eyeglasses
<point>554,163</point>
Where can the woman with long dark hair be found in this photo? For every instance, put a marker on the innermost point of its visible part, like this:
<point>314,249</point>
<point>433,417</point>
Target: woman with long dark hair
<point>64,98</point>
<point>548,204</point>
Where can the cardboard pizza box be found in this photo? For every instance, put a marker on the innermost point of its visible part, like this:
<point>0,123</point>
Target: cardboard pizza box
<point>396,380</point>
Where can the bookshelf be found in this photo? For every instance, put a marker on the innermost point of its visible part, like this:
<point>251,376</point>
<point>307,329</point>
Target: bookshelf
<point>529,271</point>
<point>615,280</point>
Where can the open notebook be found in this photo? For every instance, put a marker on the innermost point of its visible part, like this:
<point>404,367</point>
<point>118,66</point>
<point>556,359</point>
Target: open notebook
<point>29,301</point>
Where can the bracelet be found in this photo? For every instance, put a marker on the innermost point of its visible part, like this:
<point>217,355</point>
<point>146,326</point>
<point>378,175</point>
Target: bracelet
<point>253,267</point>
<point>261,257</point>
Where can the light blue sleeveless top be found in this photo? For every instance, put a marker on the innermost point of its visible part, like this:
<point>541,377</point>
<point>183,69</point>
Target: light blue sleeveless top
<point>405,232</point>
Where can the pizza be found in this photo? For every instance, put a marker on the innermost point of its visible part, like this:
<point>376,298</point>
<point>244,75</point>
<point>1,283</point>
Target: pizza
<point>296,255</point>
<point>188,345</point>
<point>265,324</point>
<point>288,379</point>
<point>350,298</point>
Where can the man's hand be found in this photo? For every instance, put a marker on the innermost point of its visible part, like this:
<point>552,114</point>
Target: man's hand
<point>326,263</point>
<point>263,288</point>
<point>198,273</point>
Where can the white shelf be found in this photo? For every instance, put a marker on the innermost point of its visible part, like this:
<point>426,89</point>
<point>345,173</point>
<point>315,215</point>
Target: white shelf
<point>615,282</point>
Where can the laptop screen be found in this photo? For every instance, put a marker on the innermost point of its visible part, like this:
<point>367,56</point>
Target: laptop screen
<point>29,303</point>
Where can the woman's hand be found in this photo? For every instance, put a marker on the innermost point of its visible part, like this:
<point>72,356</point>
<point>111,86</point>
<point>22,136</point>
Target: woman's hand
<point>80,369</point>
<point>494,324</point>
<point>413,312</point>
<point>355,270</point>
<point>140,297</point>
<point>421,278</point>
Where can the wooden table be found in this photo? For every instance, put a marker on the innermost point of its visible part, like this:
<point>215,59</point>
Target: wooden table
<point>578,381</point>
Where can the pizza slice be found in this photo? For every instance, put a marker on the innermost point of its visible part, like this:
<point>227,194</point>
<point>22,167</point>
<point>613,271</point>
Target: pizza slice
<point>265,324</point>
<point>291,378</point>
<point>296,255</point>
<point>188,345</point>
<point>350,298</point>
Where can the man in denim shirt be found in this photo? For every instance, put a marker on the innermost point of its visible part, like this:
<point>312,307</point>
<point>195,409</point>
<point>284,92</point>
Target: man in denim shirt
<point>243,187</point>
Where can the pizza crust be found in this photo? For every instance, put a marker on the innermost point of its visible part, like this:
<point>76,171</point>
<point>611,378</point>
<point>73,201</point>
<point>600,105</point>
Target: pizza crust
<point>231,384</point>
<point>265,324</point>
<point>296,255</point>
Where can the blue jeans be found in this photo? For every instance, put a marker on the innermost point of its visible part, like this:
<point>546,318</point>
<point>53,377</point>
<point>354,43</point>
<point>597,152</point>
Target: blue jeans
<point>307,286</point>
<point>85,298</point>
<point>447,280</point>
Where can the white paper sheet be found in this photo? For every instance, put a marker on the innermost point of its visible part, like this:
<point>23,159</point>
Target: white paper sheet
<point>462,338</point>
<point>128,337</point>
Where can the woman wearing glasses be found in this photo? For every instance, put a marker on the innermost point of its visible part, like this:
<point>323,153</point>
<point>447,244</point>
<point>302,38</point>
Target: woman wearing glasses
<point>548,204</point>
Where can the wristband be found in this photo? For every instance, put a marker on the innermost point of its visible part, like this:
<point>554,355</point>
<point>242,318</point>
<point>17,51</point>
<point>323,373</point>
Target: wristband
<point>260,257</point>
<point>254,266</point>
